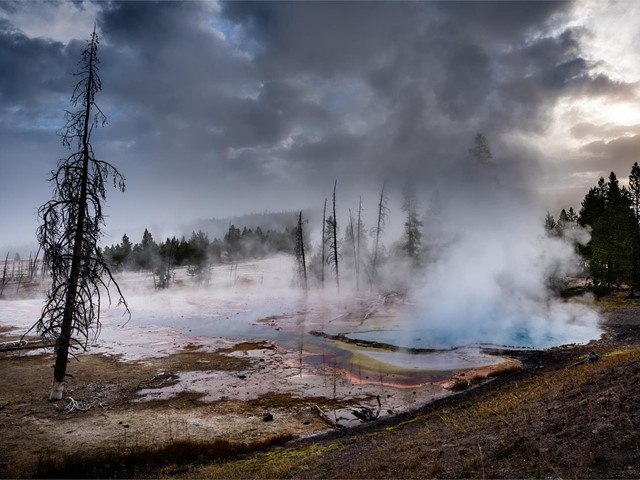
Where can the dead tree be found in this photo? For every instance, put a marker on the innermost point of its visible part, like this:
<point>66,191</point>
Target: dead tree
<point>324,240</point>
<point>4,274</point>
<point>334,245</point>
<point>299,251</point>
<point>358,244</point>
<point>34,266</point>
<point>332,231</point>
<point>71,227</point>
<point>351,234</point>
<point>377,231</point>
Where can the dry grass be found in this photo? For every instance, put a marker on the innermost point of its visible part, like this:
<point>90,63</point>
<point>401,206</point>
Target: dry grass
<point>148,461</point>
<point>277,463</point>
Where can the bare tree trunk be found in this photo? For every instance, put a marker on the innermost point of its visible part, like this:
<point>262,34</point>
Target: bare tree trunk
<point>19,275</point>
<point>358,245</point>
<point>62,345</point>
<point>299,252</point>
<point>353,244</point>
<point>335,236</point>
<point>324,216</point>
<point>4,274</point>
<point>34,267</point>
<point>378,230</point>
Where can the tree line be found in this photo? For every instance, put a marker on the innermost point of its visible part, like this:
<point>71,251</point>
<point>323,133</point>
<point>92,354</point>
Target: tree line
<point>198,253</point>
<point>611,213</point>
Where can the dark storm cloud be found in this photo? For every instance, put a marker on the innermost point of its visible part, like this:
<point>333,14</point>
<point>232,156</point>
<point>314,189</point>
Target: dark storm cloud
<point>439,71</point>
<point>499,21</point>
<point>34,71</point>
<point>204,97</point>
<point>318,37</point>
<point>410,57</point>
<point>470,66</point>
<point>274,89</point>
<point>302,92</point>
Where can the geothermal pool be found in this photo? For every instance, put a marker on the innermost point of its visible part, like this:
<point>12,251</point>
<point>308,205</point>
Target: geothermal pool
<point>359,334</point>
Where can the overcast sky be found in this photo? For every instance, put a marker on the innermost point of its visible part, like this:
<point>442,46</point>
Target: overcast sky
<point>218,109</point>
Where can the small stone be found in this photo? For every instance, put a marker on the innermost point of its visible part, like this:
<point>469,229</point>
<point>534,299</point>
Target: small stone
<point>267,417</point>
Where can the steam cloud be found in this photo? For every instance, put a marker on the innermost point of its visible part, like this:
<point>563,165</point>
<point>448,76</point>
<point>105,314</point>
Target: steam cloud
<point>487,281</point>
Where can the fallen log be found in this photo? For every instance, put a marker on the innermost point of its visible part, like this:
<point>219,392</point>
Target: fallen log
<point>325,418</point>
<point>592,357</point>
<point>16,345</point>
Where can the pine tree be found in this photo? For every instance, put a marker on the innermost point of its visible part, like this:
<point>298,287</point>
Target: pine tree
<point>481,150</point>
<point>607,209</point>
<point>634,193</point>
<point>550,224</point>
<point>634,189</point>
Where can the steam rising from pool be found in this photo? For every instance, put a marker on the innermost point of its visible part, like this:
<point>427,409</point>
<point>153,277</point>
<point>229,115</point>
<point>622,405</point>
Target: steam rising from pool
<point>488,276</point>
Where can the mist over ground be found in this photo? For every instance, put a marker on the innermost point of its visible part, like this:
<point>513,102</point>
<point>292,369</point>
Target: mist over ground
<point>219,109</point>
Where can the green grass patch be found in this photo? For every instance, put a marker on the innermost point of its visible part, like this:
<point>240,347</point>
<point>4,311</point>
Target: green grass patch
<point>276,463</point>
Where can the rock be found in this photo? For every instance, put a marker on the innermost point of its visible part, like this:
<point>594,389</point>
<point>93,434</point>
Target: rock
<point>267,417</point>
